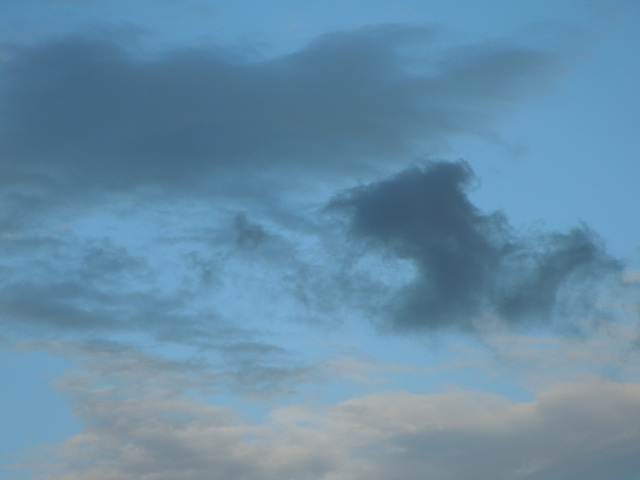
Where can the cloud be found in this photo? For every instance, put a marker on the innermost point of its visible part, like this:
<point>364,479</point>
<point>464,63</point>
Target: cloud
<point>92,134</point>
<point>82,115</point>
<point>76,289</point>
<point>248,235</point>
<point>570,431</point>
<point>468,263</point>
<point>159,222</point>
<point>465,434</point>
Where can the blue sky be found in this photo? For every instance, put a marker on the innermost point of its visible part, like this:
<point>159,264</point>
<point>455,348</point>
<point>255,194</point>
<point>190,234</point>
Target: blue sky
<point>345,240</point>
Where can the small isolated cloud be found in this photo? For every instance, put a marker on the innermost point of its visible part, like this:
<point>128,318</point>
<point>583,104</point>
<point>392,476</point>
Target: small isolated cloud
<point>469,263</point>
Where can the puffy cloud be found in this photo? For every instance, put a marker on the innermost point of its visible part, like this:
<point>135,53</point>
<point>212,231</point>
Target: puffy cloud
<point>468,263</point>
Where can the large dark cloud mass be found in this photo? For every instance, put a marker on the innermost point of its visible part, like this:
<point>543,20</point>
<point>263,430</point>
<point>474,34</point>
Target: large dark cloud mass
<point>469,263</point>
<point>87,127</point>
<point>81,111</point>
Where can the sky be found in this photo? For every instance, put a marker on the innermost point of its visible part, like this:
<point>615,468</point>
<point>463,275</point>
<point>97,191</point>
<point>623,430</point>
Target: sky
<point>343,240</point>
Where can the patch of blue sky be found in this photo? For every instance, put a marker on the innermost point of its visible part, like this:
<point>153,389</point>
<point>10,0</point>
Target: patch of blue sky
<point>578,133</point>
<point>33,411</point>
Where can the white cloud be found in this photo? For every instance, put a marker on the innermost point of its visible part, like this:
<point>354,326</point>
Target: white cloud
<point>582,430</point>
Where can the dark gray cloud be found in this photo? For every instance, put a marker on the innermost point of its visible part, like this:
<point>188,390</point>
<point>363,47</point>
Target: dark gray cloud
<point>80,112</point>
<point>121,146</point>
<point>87,126</point>
<point>468,262</point>
<point>248,235</point>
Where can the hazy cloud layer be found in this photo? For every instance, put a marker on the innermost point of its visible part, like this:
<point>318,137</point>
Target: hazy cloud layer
<point>469,263</point>
<point>585,431</point>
